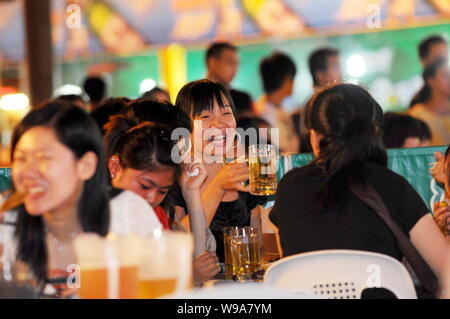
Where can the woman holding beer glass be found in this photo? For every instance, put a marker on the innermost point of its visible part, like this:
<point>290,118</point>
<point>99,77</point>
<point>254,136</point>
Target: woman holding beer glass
<point>314,207</point>
<point>59,173</point>
<point>225,197</point>
<point>140,160</point>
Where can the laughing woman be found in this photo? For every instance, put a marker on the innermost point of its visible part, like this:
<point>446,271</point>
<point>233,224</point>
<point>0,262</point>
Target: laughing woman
<point>58,165</point>
<point>225,199</point>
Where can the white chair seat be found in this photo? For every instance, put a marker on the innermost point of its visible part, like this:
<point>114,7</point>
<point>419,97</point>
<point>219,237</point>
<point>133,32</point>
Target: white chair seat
<point>340,274</point>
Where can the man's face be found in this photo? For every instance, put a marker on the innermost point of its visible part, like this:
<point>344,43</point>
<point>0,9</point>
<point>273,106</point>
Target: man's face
<point>437,50</point>
<point>224,67</point>
<point>333,73</point>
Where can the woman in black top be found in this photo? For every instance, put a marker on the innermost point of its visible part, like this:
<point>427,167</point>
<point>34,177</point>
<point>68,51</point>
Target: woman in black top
<point>314,208</point>
<point>225,197</point>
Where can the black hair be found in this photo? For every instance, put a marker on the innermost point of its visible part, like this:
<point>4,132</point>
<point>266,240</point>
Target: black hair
<point>143,146</point>
<point>426,44</point>
<point>108,108</point>
<point>242,101</point>
<point>198,96</point>
<point>398,127</point>
<point>425,132</point>
<point>161,112</point>
<point>216,49</point>
<point>95,88</point>
<point>274,70</point>
<point>151,95</point>
<point>76,130</point>
<point>318,61</point>
<point>350,123</point>
<point>247,121</point>
<point>429,72</point>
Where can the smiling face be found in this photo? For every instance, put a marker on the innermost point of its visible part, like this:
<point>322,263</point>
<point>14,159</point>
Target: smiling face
<point>151,186</point>
<point>48,172</point>
<point>214,130</point>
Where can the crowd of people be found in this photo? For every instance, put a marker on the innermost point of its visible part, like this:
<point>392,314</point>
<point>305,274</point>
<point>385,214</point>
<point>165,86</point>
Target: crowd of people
<point>108,165</point>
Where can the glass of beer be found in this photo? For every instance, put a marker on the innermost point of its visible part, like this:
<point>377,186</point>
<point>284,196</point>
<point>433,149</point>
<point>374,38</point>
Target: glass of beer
<point>227,231</point>
<point>166,264</point>
<point>254,249</point>
<point>108,266</point>
<point>263,169</point>
<point>240,254</point>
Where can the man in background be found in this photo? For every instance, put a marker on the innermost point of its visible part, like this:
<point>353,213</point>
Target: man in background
<point>222,62</point>
<point>95,88</point>
<point>278,72</point>
<point>325,68</point>
<point>432,48</point>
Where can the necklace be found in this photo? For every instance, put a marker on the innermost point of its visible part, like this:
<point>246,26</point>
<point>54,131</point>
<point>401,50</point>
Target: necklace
<point>59,244</point>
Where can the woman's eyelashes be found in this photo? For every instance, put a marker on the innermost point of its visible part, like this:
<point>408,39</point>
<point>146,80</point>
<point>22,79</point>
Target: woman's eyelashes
<point>146,188</point>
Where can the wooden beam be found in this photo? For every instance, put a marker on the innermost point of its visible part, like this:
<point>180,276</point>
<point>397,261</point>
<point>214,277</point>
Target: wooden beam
<point>38,49</point>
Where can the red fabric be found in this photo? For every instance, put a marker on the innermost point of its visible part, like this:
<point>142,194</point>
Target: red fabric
<point>162,216</point>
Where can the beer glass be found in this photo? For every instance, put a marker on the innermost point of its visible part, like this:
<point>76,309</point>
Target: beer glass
<point>166,264</point>
<point>109,266</point>
<point>263,169</point>
<point>254,249</point>
<point>240,254</point>
<point>227,231</point>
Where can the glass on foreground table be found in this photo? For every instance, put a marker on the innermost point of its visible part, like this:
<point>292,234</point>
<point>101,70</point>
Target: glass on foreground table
<point>131,267</point>
<point>242,253</point>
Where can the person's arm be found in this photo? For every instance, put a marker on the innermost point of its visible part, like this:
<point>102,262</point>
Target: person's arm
<point>431,244</point>
<point>195,221</point>
<point>230,177</point>
<point>445,285</point>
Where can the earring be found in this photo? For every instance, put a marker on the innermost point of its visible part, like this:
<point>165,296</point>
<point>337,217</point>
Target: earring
<point>113,175</point>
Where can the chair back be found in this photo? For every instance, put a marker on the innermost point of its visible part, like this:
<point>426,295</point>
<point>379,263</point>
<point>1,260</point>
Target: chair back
<point>341,274</point>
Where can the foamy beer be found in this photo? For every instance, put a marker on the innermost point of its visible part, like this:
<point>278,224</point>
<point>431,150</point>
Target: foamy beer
<point>263,169</point>
<point>166,264</point>
<point>240,253</point>
<point>109,266</point>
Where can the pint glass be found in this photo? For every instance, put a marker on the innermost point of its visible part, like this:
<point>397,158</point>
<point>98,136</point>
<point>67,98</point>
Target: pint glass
<point>263,169</point>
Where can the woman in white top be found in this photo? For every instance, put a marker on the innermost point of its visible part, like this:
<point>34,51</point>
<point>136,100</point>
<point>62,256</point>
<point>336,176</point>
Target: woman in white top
<point>58,165</point>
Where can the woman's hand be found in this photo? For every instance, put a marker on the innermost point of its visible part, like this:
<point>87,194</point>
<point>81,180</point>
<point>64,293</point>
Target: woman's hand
<point>441,213</point>
<point>206,266</point>
<point>232,177</point>
<point>192,177</point>
<point>438,170</point>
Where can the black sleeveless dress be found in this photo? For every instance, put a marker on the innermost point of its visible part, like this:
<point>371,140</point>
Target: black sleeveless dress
<point>229,214</point>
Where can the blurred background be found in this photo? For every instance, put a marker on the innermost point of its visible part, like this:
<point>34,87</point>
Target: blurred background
<point>135,45</point>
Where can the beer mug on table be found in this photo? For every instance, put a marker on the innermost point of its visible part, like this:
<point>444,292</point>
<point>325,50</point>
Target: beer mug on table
<point>166,264</point>
<point>263,169</point>
<point>108,266</point>
<point>242,256</point>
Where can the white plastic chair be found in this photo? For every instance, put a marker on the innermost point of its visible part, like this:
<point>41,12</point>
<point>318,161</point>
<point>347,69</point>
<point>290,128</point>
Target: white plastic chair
<point>341,274</point>
<point>232,290</point>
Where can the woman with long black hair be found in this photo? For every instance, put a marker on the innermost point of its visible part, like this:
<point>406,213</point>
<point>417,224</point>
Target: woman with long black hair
<point>315,208</point>
<point>58,166</point>
<point>432,103</point>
